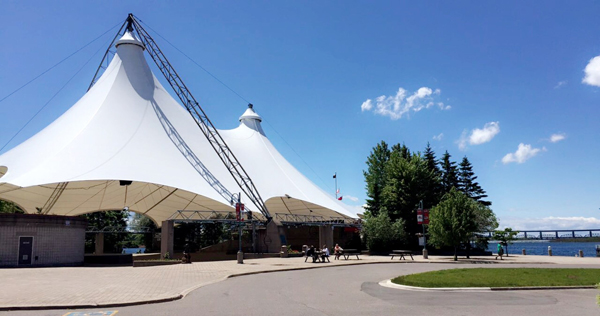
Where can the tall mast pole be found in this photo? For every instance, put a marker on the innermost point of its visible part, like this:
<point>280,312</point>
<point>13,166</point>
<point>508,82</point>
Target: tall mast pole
<point>336,190</point>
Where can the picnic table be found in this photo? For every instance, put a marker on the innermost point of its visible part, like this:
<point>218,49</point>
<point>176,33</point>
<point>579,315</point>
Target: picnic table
<point>401,253</point>
<point>346,253</point>
<point>318,256</point>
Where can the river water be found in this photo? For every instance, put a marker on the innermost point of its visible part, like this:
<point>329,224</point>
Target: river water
<point>540,247</point>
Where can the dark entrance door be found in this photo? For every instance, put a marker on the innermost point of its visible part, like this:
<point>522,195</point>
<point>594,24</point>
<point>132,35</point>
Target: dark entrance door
<point>25,250</point>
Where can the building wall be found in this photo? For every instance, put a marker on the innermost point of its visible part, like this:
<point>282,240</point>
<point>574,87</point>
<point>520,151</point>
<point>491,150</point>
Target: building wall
<point>57,240</point>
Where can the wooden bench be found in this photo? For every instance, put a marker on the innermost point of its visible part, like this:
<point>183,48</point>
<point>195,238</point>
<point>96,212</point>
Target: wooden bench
<point>401,254</point>
<point>346,253</point>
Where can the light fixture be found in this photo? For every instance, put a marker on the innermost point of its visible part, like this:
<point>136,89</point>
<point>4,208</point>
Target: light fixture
<point>288,196</point>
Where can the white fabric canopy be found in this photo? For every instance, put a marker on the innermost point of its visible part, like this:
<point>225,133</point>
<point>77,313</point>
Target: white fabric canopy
<point>128,127</point>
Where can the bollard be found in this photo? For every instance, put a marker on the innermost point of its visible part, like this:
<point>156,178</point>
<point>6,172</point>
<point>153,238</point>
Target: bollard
<point>550,251</point>
<point>524,252</point>
<point>580,253</point>
<point>240,257</point>
<point>597,250</point>
<point>425,253</point>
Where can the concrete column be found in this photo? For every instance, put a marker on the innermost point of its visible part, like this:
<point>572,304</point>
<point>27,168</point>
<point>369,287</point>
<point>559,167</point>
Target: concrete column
<point>99,243</point>
<point>272,238</point>
<point>167,232</point>
<point>326,236</point>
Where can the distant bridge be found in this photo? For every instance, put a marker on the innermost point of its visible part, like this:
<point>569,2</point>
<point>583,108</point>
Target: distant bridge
<point>552,234</point>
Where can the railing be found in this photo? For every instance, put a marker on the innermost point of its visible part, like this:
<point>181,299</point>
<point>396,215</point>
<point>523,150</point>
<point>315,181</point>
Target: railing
<point>316,220</point>
<point>551,234</point>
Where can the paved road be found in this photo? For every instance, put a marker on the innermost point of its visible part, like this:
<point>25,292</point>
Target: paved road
<point>353,290</point>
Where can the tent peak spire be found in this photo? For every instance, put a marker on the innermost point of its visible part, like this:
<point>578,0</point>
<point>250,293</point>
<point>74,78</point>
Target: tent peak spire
<point>129,38</point>
<point>250,115</point>
<point>252,120</point>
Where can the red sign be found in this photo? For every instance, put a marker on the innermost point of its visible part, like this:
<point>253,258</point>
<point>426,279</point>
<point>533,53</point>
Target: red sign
<point>423,216</point>
<point>239,208</point>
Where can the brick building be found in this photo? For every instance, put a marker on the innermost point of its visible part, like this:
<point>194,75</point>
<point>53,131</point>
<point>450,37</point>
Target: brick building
<point>41,240</point>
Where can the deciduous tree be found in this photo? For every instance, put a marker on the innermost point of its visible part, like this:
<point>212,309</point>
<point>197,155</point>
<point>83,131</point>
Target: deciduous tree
<point>452,221</point>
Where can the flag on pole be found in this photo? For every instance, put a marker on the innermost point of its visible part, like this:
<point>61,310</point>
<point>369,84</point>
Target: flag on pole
<point>334,175</point>
<point>338,191</point>
<point>340,198</point>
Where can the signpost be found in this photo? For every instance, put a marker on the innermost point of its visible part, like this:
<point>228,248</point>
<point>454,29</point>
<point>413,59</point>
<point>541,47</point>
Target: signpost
<point>423,219</point>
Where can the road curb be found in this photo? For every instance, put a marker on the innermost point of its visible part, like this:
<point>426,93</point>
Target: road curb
<point>101,305</point>
<point>389,284</point>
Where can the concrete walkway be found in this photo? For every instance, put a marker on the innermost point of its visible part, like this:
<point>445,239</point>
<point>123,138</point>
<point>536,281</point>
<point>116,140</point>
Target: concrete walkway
<point>78,287</point>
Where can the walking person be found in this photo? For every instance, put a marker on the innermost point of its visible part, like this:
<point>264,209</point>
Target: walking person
<point>500,251</point>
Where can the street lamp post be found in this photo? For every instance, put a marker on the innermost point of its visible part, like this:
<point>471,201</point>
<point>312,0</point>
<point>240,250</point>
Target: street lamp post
<point>238,210</point>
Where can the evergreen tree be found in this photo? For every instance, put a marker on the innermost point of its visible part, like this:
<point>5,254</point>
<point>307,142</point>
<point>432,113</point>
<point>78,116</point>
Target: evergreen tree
<point>467,183</point>
<point>434,187</point>
<point>402,150</point>
<point>407,184</point>
<point>449,173</point>
<point>375,177</point>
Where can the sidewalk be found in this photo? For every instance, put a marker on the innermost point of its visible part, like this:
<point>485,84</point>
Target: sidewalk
<point>79,287</point>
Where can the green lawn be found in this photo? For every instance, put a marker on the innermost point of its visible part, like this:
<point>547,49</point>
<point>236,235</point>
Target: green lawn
<point>502,277</point>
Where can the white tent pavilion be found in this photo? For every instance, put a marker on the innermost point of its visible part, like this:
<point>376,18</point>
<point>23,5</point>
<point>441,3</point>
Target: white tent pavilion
<point>127,127</point>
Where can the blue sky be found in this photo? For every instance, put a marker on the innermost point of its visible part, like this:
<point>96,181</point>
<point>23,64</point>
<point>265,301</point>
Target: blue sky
<point>503,83</point>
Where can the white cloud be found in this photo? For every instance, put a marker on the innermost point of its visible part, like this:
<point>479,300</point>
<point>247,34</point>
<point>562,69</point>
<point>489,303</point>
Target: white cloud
<point>401,104</point>
<point>547,223</point>
<point>367,105</point>
<point>438,137</point>
<point>523,153</point>
<point>351,198</point>
<point>557,137</point>
<point>560,84</point>
<point>479,136</point>
<point>592,72</point>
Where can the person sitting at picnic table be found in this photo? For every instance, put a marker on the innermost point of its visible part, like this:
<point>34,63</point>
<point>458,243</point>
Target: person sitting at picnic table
<point>325,253</point>
<point>337,251</point>
<point>312,253</point>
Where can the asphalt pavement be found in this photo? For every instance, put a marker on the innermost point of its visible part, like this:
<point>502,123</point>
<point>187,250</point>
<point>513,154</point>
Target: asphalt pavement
<point>352,290</point>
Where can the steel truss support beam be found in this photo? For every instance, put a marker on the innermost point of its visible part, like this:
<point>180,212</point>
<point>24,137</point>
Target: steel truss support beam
<point>206,126</point>
<point>232,164</point>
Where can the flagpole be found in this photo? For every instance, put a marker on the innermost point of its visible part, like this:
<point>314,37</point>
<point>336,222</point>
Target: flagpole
<point>335,177</point>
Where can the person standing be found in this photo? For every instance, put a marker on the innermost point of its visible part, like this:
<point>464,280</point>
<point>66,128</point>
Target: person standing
<point>500,251</point>
<point>337,251</point>
<point>325,253</point>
